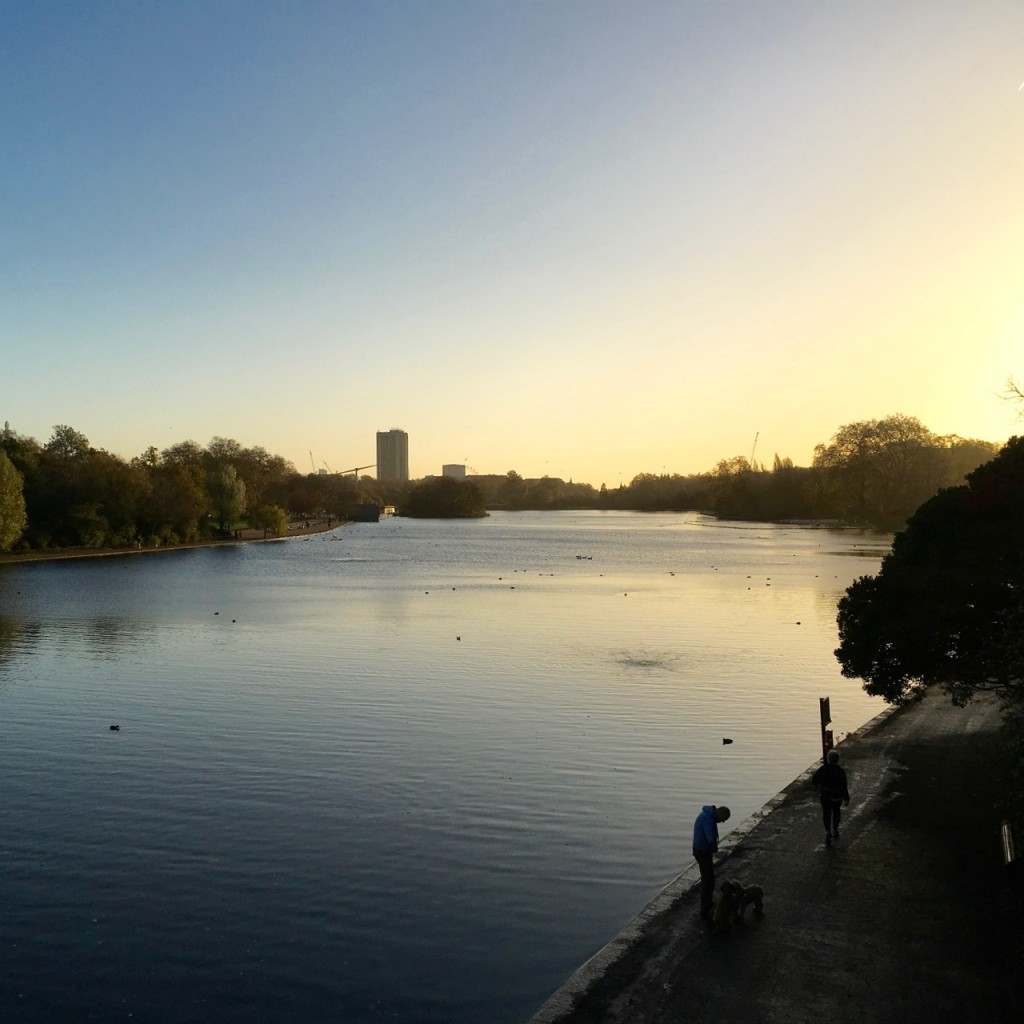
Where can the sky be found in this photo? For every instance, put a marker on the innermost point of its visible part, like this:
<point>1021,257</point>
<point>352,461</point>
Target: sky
<point>577,239</point>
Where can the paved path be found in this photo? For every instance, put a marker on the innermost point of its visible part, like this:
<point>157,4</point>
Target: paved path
<point>911,917</point>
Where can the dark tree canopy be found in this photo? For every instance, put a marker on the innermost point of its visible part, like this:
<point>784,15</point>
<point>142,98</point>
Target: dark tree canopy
<point>879,471</point>
<point>67,443</point>
<point>947,606</point>
<point>443,497</point>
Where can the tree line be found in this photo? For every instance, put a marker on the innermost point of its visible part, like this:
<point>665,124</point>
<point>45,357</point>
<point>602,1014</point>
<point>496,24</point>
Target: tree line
<point>65,493</point>
<point>873,473</point>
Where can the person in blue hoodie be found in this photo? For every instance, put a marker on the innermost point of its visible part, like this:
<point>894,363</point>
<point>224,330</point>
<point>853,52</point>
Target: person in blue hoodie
<point>705,844</point>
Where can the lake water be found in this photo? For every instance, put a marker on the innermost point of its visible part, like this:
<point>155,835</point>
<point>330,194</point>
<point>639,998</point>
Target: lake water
<point>411,771</point>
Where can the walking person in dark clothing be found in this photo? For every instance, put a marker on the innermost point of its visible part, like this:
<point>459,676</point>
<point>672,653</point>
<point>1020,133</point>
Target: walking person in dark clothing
<point>834,793</point>
<point>705,844</point>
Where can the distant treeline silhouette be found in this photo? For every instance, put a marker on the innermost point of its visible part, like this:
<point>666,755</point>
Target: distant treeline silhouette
<point>872,473</point>
<point>67,494</point>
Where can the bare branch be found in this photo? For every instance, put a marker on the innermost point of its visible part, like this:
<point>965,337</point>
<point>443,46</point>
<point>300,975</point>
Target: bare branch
<point>1014,393</point>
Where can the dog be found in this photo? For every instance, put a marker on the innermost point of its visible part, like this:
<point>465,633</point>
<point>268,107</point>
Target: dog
<point>726,905</point>
<point>746,896</point>
<point>733,899</point>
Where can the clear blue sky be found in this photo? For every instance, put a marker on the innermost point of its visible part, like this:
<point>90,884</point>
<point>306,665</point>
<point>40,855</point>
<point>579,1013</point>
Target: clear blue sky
<point>586,239</point>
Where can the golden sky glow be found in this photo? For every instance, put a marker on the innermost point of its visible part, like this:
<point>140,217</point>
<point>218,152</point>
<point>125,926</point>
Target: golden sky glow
<point>586,240</point>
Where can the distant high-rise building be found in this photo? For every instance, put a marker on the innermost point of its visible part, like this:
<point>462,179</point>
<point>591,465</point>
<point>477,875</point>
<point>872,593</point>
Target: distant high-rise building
<point>392,454</point>
<point>456,472</point>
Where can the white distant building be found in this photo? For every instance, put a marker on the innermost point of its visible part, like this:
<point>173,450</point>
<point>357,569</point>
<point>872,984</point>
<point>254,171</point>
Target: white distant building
<point>392,454</point>
<point>454,471</point>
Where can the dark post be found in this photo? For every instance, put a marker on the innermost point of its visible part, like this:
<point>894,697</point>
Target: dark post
<point>826,733</point>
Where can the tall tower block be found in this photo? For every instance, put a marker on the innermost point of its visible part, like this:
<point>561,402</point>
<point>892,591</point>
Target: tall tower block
<point>392,454</point>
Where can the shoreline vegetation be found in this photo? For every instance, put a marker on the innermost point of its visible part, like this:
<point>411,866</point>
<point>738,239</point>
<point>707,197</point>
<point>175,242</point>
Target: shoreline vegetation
<point>245,535</point>
<point>65,498</point>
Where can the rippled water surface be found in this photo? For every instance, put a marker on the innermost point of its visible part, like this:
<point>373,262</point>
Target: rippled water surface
<point>406,771</point>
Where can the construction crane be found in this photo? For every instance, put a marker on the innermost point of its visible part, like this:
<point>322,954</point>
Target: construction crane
<point>355,469</point>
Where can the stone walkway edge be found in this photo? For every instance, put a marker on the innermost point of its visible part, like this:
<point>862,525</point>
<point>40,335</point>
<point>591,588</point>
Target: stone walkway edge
<point>561,1001</point>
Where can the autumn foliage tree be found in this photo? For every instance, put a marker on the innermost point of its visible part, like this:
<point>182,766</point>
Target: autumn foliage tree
<point>76,495</point>
<point>12,503</point>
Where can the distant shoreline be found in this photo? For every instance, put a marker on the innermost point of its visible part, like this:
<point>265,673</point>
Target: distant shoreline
<point>247,536</point>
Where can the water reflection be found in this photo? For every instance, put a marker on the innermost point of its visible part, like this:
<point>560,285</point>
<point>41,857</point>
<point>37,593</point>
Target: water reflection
<point>416,744</point>
<point>107,636</point>
<point>17,640</point>
<point>872,551</point>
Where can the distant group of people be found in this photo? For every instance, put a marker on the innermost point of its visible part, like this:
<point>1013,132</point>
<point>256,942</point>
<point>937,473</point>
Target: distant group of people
<point>833,791</point>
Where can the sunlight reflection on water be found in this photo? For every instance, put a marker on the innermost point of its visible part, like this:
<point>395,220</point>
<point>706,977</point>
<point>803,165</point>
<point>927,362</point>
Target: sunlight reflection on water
<point>455,747</point>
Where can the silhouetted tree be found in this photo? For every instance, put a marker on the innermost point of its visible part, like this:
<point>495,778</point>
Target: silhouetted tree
<point>876,472</point>
<point>511,491</point>
<point>443,497</point>
<point>947,606</point>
